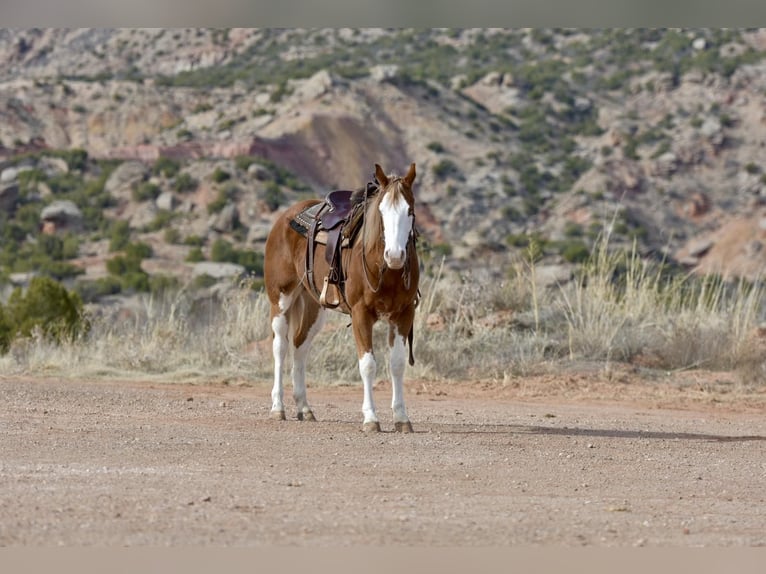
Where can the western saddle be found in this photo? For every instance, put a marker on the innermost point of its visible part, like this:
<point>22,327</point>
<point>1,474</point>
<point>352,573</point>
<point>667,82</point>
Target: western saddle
<point>333,223</point>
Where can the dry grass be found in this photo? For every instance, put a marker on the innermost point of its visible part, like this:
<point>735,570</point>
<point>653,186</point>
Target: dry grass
<point>622,309</point>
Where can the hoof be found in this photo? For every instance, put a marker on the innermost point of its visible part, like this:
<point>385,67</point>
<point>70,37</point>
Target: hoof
<point>371,427</point>
<point>278,415</point>
<point>309,416</point>
<point>405,427</point>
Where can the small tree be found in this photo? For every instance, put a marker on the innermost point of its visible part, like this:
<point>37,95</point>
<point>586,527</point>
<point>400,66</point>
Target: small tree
<point>46,306</point>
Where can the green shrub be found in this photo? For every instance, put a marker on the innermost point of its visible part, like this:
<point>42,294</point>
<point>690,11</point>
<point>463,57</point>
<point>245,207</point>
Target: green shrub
<point>185,183</point>
<point>195,255</point>
<point>138,250</point>
<point>242,162</point>
<point>48,306</point>
<point>145,191</point>
<point>91,291</point>
<point>127,267</point>
<point>136,281</point>
<point>220,175</point>
<point>575,252</point>
<point>440,250</point>
<point>223,251</point>
<point>161,220</point>
<point>172,236</point>
<point>119,236</point>
<point>194,241</point>
<point>436,147</point>
<point>446,168</point>
<point>572,229</point>
<point>273,196</point>
<point>219,202</point>
<point>163,284</point>
<point>76,159</point>
<point>165,166</point>
<point>280,92</point>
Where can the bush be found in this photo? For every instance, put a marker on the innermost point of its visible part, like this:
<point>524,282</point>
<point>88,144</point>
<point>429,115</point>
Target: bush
<point>274,196</point>
<point>194,241</point>
<point>575,252</point>
<point>436,147</point>
<point>76,159</point>
<point>46,306</point>
<point>127,268</point>
<point>163,284</point>
<point>223,251</point>
<point>161,220</point>
<point>166,167</point>
<point>185,183</point>
<point>220,175</point>
<point>145,191</point>
<point>90,291</point>
<point>445,168</point>
<point>138,250</point>
<point>195,255</point>
<point>119,237</point>
<point>172,236</point>
<point>221,200</point>
<point>242,162</point>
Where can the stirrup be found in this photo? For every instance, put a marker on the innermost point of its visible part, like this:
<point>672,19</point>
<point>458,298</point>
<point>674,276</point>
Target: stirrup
<point>323,296</point>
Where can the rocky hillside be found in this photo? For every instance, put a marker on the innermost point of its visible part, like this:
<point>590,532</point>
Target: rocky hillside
<point>136,159</point>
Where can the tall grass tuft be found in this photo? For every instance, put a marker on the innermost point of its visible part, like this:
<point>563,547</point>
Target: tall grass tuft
<point>624,306</point>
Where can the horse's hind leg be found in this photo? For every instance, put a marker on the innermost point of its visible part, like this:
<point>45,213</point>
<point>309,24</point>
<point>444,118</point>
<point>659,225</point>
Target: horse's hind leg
<point>307,318</point>
<point>280,328</point>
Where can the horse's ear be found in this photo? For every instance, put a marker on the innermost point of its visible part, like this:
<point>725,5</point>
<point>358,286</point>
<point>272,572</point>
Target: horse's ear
<point>410,177</point>
<point>380,175</point>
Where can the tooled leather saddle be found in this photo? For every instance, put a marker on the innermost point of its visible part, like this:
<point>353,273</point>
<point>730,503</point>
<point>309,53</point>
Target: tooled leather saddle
<point>333,223</point>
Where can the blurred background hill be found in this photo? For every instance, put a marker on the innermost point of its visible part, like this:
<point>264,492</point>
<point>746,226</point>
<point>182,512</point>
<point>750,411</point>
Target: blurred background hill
<point>138,160</point>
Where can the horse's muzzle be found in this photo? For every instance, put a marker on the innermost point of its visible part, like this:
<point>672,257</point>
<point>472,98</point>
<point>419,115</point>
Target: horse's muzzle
<point>395,258</point>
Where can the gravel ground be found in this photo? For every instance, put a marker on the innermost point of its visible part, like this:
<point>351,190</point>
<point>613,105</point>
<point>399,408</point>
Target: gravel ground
<point>146,463</point>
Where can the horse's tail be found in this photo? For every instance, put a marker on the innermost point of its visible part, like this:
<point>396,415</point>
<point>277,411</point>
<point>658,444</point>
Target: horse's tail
<point>409,341</point>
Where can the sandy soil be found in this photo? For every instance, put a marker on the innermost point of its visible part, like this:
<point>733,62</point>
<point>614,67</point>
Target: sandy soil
<point>566,461</point>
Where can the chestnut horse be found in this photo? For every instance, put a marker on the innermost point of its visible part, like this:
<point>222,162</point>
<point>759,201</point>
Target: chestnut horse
<point>380,272</point>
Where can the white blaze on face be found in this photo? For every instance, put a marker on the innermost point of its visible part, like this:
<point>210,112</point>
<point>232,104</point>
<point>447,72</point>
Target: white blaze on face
<point>397,225</point>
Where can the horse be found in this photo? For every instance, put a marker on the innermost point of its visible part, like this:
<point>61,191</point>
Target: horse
<point>380,274</point>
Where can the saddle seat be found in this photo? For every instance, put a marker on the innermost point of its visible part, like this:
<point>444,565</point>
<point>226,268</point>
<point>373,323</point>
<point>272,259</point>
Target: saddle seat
<point>328,215</point>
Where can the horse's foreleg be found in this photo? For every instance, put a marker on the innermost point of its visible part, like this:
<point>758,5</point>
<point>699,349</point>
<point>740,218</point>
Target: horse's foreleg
<point>397,365</point>
<point>280,328</point>
<point>362,324</point>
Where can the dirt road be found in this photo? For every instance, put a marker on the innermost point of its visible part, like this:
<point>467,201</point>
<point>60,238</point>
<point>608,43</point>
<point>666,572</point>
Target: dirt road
<point>126,463</point>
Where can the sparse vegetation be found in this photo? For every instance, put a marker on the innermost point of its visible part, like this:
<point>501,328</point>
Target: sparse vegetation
<point>185,183</point>
<point>446,168</point>
<point>622,308</point>
<point>46,309</point>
